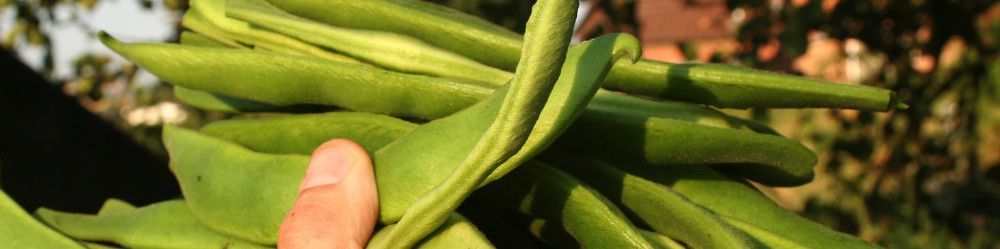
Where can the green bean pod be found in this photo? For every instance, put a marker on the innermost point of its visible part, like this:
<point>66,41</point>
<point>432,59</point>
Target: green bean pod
<point>233,190</point>
<point>217,102</point>
<point>745,208</point>
<point>437,25</point>
<point>730,86</point>
<point>719,85</point>
<point>114,206</point>
<point>664,210</point>
<point>19,230</point>
<point>542,191</point>
<point>390,50</point>
<point>612,131</point>
<point>221,103</point>
<point>456,232</point>
<point>302,80</point>
<point>209,17</point>
<point>301,134</point>
<point>165,225</point>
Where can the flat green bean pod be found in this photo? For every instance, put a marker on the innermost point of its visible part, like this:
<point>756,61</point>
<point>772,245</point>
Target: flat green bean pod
<point>303,80</point>
<point>656,205</point>
<point>19,230</point>
<point>437,25</point>
<point>745,208</point>
<point>217,102</point>
<point>390,50</point>
<point>542,191</point>
<point>739,87</point>
<point>719,85</point>
<point>233,190</point>
<point>456,232</point>
<point>209,17</point>
<point>301,134</point>
<point>670,140</point>
<point>165,225</point>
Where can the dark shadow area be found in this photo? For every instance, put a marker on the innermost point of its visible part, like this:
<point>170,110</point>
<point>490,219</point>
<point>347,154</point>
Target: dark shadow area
<point>55,154</point>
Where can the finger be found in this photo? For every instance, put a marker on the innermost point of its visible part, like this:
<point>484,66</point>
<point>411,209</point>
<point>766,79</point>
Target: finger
<point>338,202</point>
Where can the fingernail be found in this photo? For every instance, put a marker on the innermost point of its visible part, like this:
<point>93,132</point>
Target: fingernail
<point>329,165</point>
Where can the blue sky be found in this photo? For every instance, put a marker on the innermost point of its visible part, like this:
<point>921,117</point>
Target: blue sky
<point>125,19</point>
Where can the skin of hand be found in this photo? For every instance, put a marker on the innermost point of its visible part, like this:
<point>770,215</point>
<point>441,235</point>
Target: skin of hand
<point>337,205</point>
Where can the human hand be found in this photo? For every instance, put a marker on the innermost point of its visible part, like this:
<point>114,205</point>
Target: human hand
<point>338,202</point>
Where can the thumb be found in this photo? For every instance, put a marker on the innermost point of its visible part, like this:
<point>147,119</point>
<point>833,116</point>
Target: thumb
<point>338,202</point>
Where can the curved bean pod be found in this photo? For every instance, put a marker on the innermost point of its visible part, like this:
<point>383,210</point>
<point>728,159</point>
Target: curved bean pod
<point>165,225</point>
<point>659,207</point>
<point>542,191</point>
<point>719,85</point>
<point>390,50</point>
<point>456,232</point>
<point>19,230</point>
<point>233,190</point>
<point>217,102</point>
<point>730,86</point>
<point>477,39</point>
<point>660,140</point>
<point>209,17</point>
<point>303,80</point>
<point>745,208</point>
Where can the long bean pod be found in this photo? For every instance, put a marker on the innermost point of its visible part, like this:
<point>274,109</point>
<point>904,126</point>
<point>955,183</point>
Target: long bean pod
<point>209,17</point>
<point>747,209</point>
<point>659,207</point>
<point>218,102</point>
<point>390,50</point>
<point>303,80</point>
<point>561,200</point>
<point>165,225</point>
<point>719,85</point>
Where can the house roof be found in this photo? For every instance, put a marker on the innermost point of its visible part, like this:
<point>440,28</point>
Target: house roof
<point>681,20</point>
<point>661,21</point>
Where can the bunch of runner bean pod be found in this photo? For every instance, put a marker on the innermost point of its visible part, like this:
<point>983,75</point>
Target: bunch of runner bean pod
<point>471,128</point>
